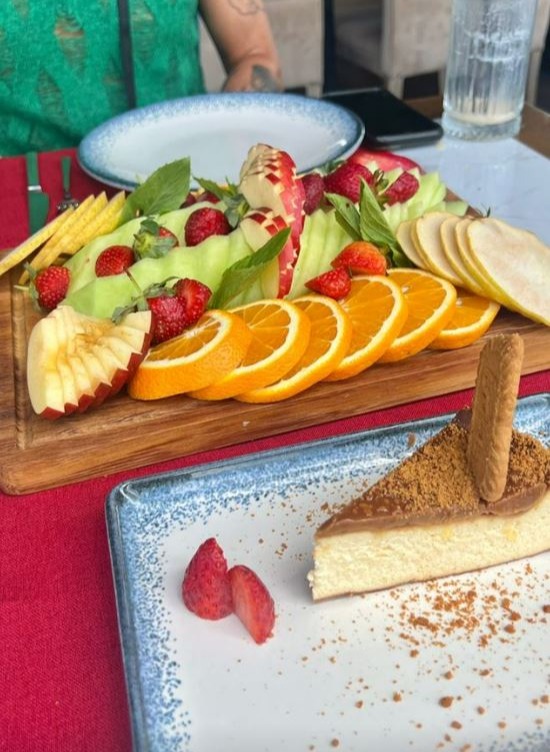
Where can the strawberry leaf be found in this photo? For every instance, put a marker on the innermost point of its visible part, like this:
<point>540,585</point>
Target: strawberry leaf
<point>164,190</point>
<point>246,271</point>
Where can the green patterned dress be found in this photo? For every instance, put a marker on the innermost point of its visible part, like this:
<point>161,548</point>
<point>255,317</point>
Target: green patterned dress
<point>61,70</point>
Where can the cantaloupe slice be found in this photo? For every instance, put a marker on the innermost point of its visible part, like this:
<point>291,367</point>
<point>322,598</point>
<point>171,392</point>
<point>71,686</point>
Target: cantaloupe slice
<point>516,262</point>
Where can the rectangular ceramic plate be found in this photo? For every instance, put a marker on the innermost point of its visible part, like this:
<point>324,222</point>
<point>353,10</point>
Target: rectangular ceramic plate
<point>367,672</point>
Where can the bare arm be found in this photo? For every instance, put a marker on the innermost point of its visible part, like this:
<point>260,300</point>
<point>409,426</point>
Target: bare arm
<point>240,29</point>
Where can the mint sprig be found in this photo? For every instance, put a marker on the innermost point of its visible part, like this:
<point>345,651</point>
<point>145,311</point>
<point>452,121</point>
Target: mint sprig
<point>244,272</point>
<point>368,223</point>
<point>164,190</point>
<point>237,205</point>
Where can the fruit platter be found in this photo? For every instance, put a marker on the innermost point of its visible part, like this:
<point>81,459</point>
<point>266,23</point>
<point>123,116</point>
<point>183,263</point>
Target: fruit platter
<point>171,321</point>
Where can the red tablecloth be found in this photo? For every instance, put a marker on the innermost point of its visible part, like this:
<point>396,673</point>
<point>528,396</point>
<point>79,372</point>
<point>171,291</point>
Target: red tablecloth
<point>62,685</point>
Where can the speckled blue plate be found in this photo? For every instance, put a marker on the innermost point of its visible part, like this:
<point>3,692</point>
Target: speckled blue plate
<point>355,673</point>
<point>216,132</point>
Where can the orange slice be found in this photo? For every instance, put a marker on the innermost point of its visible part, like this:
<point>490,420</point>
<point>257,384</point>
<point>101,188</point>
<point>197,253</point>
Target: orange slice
<point>472,317</point>
<point>431,302</point>
<point>280,333</point>
<point>198,357</point>
<point>377,310</point>
<point>330,336</point>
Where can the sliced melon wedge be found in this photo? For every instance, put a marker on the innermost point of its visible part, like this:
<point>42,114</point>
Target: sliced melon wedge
<point>516,262</point>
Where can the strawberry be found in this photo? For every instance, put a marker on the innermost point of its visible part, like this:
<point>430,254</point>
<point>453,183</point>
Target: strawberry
<point>252,603</point>
<point>49,287</point>
<point>206,587</point>
<point>361,257</point>
<point>314,187</point>
<point>207,196</point>
<point>168,316</point>
<point>203,223</point>
<point>194,296</point>
<point>401,190</point>
<point>164,232</point>
<point>114,260</point>
<point>153,241</point>
<point>189,201</point>
<point>346,180</point>
<point>334,284</point>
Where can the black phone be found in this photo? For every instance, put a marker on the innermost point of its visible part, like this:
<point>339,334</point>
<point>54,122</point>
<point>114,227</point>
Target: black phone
<point>389,122</point>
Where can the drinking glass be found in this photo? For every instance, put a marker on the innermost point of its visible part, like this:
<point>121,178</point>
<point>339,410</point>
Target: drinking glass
<point>487,67</point>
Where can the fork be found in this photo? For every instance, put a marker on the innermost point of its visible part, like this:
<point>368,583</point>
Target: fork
<point>68,200</point>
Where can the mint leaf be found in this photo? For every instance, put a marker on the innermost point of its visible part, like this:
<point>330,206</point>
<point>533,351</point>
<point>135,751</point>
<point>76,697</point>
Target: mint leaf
<point>373,225</point>
<point>164,190</point>
<point>211,187</point>
<point>368,223</point>
<point>246,271</point>
<point>346,214</point>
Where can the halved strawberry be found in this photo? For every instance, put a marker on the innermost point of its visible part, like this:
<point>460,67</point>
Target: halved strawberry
<point>206,587</point>
<point>401,190</point>
<point>252,603</point>
<point>314,187</point>
<point>114,260</point>
<point>335,283</point>
<point>194,296</point>
<point>168,316</point>
<point>49,286</point>
<point>203,223</point>
<point>346,180</point>
<point>361,257</point>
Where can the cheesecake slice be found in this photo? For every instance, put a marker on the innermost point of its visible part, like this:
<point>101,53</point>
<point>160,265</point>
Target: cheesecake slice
<point>427,518</point>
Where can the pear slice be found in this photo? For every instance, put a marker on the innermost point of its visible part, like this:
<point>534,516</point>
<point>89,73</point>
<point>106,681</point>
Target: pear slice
<point>489,289</point>
<point>516,262</point>
<point>404,238</point>
<point>450,249</point>
<point>426,234</point>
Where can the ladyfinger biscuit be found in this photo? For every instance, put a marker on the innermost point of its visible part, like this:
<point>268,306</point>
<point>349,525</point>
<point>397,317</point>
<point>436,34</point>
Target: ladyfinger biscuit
<point>494,403</point>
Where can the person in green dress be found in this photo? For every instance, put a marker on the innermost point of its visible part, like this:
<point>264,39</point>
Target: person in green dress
<point>68,65</point>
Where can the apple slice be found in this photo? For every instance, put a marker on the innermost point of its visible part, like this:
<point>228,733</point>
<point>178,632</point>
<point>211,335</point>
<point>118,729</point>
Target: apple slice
<point>268,180</point>
<point>258,226</point>
<point>516,262</point>
<point>75,361</point>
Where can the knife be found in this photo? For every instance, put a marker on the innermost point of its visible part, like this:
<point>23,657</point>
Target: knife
<point>37,201</point>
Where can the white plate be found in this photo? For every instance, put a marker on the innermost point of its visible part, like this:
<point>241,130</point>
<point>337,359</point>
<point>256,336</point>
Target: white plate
<point>361,673</point>
<point>216,131</point>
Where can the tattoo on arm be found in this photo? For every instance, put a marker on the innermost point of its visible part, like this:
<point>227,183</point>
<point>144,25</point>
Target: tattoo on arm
<point>262,79</point>
<point>246,7</point>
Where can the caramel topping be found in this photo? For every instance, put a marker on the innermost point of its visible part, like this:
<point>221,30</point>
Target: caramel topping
<point>436,484</point>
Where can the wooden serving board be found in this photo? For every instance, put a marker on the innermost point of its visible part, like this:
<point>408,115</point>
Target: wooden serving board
<point>125,434</point>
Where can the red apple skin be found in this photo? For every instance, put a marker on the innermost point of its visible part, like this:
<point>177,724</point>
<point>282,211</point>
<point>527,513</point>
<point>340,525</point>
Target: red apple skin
<point>104,390</point>
<point>386,160</point>
<point>278,168</point>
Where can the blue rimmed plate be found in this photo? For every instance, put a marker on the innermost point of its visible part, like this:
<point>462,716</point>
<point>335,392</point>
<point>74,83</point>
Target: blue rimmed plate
<point>355,673</point>
<point>216,131</point>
